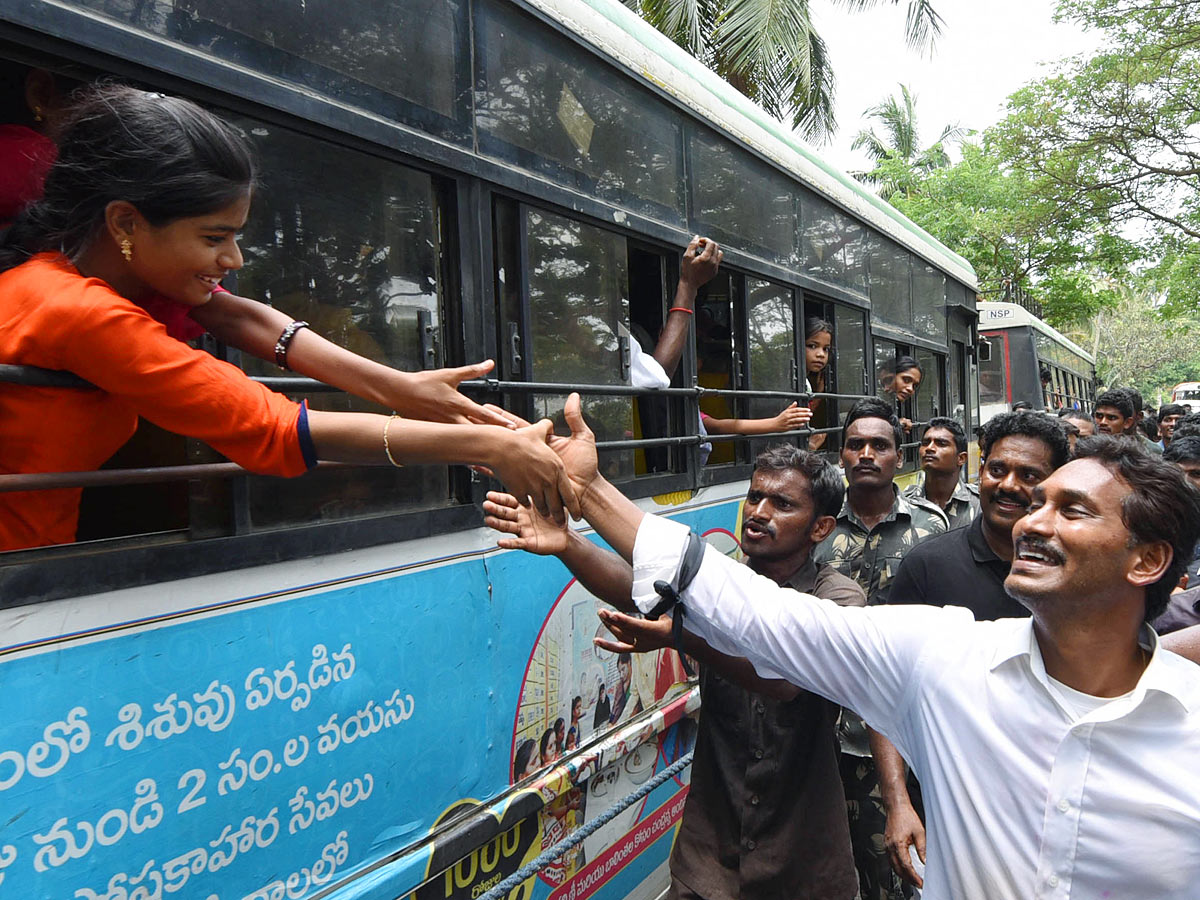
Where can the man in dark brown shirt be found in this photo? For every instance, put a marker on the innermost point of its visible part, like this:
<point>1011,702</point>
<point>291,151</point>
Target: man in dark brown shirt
<point>766,816</point>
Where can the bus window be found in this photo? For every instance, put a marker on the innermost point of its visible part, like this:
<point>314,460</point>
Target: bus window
<point>928,301</point>
<point>716,359</point>
<point>957,409</point>
<point>771,336</point>
<point>653,415</point>
<point>993,379</point>
<point>578,282</point>
<point>928,400</point>
<point>849,364</point>
<point>362,265</point>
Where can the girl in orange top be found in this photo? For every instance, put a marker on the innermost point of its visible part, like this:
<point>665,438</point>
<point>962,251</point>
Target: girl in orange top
<point>146,197</point>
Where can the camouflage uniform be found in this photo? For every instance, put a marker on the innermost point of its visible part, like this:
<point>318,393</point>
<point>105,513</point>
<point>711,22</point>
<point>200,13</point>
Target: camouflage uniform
<point>872,558</point>
<point>963,507</point>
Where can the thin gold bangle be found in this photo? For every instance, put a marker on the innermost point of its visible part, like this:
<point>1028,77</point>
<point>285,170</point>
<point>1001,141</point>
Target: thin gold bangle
<point>386,447</point>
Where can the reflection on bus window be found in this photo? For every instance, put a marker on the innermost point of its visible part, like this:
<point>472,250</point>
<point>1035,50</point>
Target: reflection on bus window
<point>361,265</point>
<point>578,289</point>
<point>993,386</point>
<point>715,356</point>
<point>771,336</point>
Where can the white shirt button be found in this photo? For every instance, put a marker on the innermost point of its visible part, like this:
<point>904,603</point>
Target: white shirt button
<point>1063,806</point>
<point>1052,881</point>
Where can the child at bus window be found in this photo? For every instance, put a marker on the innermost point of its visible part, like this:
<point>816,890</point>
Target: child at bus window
<point>818,347</point>
<point>32,99</point>
<point>146,197</point>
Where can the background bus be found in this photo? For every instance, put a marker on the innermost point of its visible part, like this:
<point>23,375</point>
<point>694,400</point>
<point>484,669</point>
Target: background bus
<point>1187,392</point>
<point>1028,360</point>
<point>245,687</point>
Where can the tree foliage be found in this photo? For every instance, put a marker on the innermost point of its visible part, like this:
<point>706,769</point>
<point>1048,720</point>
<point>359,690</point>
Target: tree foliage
<point>770,51</point>
<point>899,160</point>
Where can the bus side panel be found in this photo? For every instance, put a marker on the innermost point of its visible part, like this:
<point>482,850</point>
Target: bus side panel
<point>286,744</point>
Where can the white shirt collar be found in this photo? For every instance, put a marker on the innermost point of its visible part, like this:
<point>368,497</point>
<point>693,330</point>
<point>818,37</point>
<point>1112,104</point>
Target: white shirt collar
<point>1158,677</point>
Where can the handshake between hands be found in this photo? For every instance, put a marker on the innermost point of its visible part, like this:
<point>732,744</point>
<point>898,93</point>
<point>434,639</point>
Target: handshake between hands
<point>528,527</point>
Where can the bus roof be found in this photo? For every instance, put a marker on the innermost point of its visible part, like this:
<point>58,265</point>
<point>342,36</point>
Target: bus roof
<point>993,315</point>
<point>609,26</point>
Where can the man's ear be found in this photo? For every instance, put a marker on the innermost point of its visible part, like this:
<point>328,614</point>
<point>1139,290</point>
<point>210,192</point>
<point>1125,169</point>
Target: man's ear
<point>962,459</point>
<point>1149,563</point>
<point>822,528</point>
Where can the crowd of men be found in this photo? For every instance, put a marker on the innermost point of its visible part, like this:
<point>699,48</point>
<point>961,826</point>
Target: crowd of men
<point>1032,724</point>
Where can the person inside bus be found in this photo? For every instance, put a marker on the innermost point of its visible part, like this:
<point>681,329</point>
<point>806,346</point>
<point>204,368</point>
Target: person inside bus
<point>901,377</point>
<point>146,197</point>
<point>32,100</point>
<point>818,349</point>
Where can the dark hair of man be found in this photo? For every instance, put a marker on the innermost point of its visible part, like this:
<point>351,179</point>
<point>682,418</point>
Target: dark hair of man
<point>1046,429</point>
<point>1160,506</point>
<point>1135,399</point>
<point>952,426</point>
<point>1022,406</point>
<point>1188,426</point>
<point>166,156</point>
<point>1077,414</point>
<point>1172,409</point>
<point>874,408</point>
<point>1119,400</point>
<point>1184,449</point>
<point>1149,427</point>
<point>826,485</point>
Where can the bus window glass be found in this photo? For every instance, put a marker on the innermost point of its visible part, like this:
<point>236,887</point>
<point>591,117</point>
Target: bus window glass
<point>771,337</point>
<point>578,280</point>
<point>823,238</point>
<point>927,402</point>
<point>855,251</point>
<point>740,199</point>
<point>545,106</point>
<point>929,301</point>
<point>344,50</point>
<point>957,409</point>
<point>715,355</point>
<point>849,361</point>
<point>890,287</point>
<point>993,375</point>
<point>360,264</point>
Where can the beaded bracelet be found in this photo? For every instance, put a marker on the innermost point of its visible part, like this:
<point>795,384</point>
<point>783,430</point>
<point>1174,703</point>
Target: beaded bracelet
<point>285,340</point>
<point>386,446</point>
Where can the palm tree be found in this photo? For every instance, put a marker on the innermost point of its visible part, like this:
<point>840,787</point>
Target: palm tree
<point>769,51</point>
<point>898,157</point>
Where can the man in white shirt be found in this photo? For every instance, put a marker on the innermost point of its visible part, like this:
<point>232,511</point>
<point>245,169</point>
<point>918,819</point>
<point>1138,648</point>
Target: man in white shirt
<point>1057,753</point>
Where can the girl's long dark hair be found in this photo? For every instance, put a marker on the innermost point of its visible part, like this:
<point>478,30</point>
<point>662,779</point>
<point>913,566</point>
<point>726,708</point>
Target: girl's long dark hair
<point>166,156</point>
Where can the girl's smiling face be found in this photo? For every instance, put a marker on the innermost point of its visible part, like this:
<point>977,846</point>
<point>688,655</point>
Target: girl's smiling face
<point>185,259</point>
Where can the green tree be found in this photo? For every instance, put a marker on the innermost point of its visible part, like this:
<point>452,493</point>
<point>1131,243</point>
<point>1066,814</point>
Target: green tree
<point>1019,232</point>
<point>899,160</point>
<point>1117,129</point>
<point>770,51</point>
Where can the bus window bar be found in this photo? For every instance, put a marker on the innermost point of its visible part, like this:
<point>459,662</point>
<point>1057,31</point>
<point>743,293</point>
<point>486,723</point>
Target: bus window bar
<point>37,377</point>
<point>49,481</point>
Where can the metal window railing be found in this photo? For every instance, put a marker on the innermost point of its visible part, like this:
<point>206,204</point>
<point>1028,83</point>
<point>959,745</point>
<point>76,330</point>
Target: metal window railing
<point>40,481</point>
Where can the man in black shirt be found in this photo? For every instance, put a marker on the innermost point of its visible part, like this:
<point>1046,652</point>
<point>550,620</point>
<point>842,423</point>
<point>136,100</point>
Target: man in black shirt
<point>967,567</point>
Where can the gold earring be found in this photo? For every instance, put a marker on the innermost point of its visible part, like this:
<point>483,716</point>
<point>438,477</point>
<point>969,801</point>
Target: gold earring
<point>37,114</point>
<point>127,249</point>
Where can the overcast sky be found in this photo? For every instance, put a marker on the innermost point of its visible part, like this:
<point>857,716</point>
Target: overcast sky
<point>988,49</point>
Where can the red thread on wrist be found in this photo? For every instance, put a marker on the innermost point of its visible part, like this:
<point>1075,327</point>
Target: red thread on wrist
<point>690,312</point>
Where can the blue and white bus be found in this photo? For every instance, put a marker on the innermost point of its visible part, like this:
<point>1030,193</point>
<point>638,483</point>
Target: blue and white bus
<point>235,686</point>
